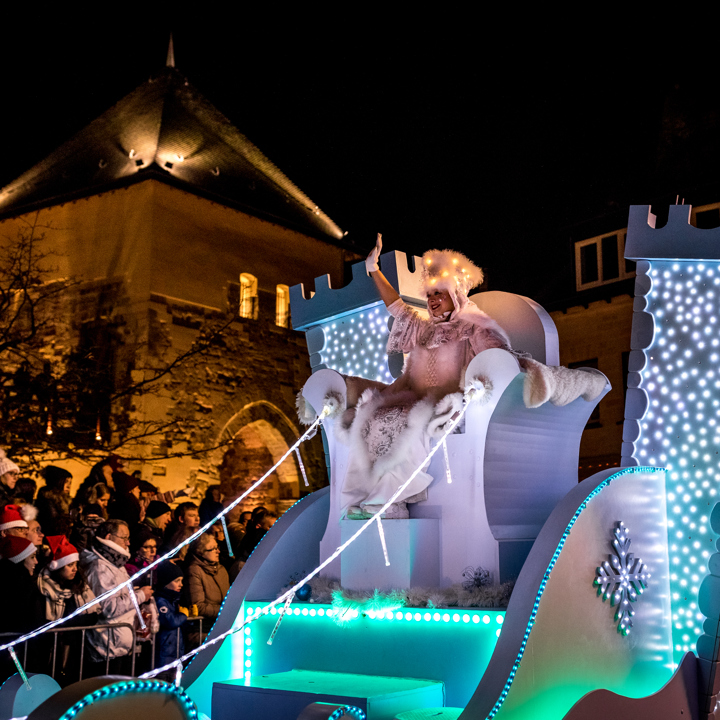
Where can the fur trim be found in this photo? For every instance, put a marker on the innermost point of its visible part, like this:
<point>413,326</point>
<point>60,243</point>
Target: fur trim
<point>306,413</point>
<point>417,420</point>
<point>449,270</point>
<point>28,512</point>
<point>559,385</point>
<point>335,404</point>
<point>479,389</point>
<point>443,414</point>
<point>328,591</point>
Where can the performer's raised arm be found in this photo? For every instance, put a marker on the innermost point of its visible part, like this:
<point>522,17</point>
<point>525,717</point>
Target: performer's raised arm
<point>386,290</point>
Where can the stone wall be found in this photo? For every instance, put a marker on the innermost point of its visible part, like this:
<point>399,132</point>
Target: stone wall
<point>601,332</point>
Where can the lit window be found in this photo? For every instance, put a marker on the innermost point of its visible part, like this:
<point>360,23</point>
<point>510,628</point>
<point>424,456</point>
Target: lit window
<point>248,296</point>
<point>282,306</point>
<point>601,260</point>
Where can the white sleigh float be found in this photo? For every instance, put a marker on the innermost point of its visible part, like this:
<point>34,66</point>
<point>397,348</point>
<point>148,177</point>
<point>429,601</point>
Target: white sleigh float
<point>514,508</point>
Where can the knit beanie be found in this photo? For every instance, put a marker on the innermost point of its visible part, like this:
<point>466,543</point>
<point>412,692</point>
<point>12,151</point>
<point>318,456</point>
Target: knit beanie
<point>166,572</point>
<point>6,464</point>
<point>15,548</point>
<point>55,476</point>
<point>124,483</point>
<point>156,508</point>
<point>62,550</point>
<point>10,517</point>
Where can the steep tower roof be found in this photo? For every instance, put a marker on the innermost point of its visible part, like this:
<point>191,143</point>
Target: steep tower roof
<point>167,130</point>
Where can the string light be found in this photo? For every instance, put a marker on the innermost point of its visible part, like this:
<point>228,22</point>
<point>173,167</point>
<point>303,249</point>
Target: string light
<point>469,394</point>
<point>302,467</point>
<point>203,529</point>
<point>382,541</point>
<point>447,462</point>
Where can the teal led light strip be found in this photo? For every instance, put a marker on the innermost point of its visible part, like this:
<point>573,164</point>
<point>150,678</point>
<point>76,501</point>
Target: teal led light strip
<point>132,686</point>
<point>681,426</point>
<point>467,617</point>
<point>471,393</point>
<point>546,577</point>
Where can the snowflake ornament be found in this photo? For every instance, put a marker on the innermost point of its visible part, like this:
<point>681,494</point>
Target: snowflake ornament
<point>475,577</point>
<point>623,579</point>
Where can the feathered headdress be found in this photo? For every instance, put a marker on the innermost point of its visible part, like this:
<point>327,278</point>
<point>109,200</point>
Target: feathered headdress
<point>449,270</point>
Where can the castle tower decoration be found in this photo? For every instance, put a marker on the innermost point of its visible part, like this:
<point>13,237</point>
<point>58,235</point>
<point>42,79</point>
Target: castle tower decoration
<point>347,329</point>
<point>673,398</point>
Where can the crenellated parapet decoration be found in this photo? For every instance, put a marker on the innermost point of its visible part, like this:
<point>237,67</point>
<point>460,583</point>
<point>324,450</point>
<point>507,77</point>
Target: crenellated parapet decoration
<point>672,410</point>
<point>676,240</point>
<point>347,328</point>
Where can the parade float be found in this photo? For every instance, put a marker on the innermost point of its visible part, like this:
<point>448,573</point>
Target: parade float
<point>612,613</point>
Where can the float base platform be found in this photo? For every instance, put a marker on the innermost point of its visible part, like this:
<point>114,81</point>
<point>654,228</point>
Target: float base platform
<point>283,696</point>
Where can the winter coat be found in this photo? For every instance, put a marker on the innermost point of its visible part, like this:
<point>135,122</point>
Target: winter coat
<point>102,575</point>
<point>19,599</point>
<point>59,600</point>
<point>208,584</point>
<point>166,643</point>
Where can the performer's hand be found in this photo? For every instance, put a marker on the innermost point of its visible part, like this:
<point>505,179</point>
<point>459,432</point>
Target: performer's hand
<point>371,262</point>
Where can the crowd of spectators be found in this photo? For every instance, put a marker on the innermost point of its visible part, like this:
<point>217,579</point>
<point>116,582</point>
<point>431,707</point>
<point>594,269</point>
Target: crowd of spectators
<point>59,552</point>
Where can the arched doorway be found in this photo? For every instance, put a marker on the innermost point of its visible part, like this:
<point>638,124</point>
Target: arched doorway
<point>261,435</point>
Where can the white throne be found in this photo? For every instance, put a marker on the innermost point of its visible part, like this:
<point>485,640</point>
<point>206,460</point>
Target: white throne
<point>509,467</point>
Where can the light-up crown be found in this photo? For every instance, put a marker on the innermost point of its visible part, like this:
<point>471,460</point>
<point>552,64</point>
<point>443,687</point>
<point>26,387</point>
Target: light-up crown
<point>449,270</point>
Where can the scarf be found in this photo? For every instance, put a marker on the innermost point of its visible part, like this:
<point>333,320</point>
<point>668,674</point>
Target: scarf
<point>113,553</point>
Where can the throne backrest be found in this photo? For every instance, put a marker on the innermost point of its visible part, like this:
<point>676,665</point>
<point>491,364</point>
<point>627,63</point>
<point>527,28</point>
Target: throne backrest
<point>528,325</point>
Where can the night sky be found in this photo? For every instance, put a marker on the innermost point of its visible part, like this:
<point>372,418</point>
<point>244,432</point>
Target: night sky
<point>435,131</point>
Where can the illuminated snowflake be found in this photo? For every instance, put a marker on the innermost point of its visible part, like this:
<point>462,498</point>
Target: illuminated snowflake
<point>623,579</point>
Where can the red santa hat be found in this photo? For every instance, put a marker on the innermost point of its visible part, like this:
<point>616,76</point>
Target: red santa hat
<point>63,552</point>
<point>10,517</point>
<point>15,548</point>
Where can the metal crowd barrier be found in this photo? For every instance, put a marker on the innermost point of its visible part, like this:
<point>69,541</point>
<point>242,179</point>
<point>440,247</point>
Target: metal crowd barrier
<point>83,630</point>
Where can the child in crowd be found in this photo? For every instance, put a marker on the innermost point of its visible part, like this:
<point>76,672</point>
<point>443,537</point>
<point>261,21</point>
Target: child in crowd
<point>169,645</point>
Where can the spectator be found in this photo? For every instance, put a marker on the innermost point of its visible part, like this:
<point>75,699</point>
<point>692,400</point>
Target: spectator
<point>9,472</point>
<point>36,536</point>
<point>18,601</point>
<point>211,506</point>
<point>219,534</point>
<point>86,526</point>
<point>169,643</point>
<point>104,565</point>
<point>19,598</point>
<point>208,581</point>
<point>12,523</point>
<point>143,552</point>
<point>187,521</point>
<point>64,589</point>
<point>126,504</point>
<point>97,494</point>
<point>148,493</point>
<point>258,525</point>
<point>237,525</point>
<point>25,490</point>
<point>100,473</point>
<point>53,501</point>
<point>157,517</point>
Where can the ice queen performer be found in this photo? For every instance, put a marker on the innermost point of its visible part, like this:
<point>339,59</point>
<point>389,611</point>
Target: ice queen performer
<point>390,429</point>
